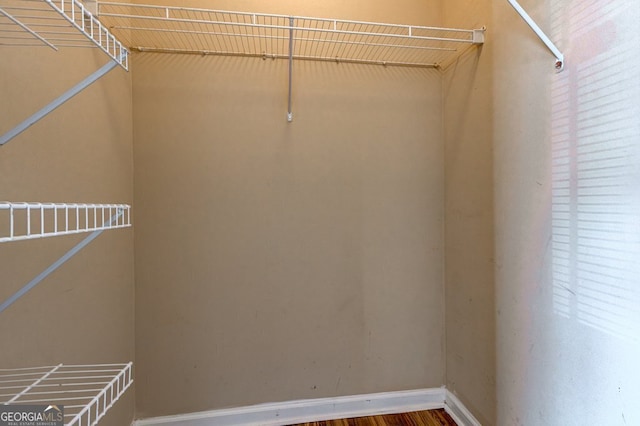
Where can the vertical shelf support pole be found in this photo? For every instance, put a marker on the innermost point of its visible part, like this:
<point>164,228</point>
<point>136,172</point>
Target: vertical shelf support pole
<point>55,265</point>
<point>289,111</point>
<point>536,29</point>
<point>57,102</point>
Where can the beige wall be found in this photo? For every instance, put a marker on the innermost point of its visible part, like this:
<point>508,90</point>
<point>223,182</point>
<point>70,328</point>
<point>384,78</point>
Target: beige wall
<point>279,261</point>
<point>469,237</point>
<point>523,182</point>
<point>82,152</point>
<point>566,202</point>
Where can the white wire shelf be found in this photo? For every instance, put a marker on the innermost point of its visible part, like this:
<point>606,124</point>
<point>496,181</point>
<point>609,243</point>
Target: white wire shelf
<point>87,392</point>
<point>24,221</point>
<point>203,31</point>
<point>56,23</point>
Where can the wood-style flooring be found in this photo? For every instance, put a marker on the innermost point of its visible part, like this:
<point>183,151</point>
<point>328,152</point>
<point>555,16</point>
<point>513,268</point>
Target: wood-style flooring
<point>417,418</point>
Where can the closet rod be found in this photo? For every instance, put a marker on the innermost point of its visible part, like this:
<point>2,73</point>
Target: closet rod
<point>546,40</point>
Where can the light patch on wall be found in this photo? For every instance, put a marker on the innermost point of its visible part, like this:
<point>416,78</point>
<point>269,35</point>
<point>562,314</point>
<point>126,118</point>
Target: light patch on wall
<point>596,157</point>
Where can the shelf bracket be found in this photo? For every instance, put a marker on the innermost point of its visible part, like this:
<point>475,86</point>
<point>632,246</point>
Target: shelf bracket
<point>289,111</point>
<point>559,64</point>
<point>55,265</point>
<point>57,102</point>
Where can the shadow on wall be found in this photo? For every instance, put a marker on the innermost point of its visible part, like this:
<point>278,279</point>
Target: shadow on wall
<point>595,133</point>
<point>595,215</point>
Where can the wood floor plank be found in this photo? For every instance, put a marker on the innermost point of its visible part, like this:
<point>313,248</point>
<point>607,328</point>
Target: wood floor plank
<point>416,418</point>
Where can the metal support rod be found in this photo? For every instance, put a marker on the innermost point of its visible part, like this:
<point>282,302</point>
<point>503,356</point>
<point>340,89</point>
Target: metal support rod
<point>289,111</point>
<point>550,45</point>
<point>57,102</point>
<point>55,265</point>
<point>27,29</point>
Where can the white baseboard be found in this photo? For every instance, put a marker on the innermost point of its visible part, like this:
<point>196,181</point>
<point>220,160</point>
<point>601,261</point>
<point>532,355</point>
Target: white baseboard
<point>458,411</point>
<point>283,413</point>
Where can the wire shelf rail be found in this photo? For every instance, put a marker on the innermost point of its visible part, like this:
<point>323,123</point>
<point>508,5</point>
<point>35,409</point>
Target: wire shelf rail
<point>87,392</point>
<point>24,221</point>
<point>57,23</point>
<point>204,31</point>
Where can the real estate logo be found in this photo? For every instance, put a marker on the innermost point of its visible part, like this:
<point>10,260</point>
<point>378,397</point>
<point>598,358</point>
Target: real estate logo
<point>31,415</point>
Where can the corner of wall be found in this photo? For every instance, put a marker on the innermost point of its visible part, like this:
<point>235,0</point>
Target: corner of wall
<point>469,216</point>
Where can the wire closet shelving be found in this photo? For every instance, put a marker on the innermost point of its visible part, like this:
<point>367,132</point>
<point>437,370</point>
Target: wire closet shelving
<point>203,31</point>
<point>25,221</point>
<point>54,24</point>
<point>85,391</point>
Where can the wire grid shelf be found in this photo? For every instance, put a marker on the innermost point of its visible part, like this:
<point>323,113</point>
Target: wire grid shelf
<point>25,221</point>
<point>56,23</point>
<point>203,31</point>
<point>87,392</point>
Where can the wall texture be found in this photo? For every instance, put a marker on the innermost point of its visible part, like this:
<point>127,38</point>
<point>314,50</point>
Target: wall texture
<point>469,235</point>
<point>280,261</point>
<point>566,204</point>
<point>82,152</point>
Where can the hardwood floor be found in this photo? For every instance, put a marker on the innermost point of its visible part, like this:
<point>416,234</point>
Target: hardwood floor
<point>418,418</point>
